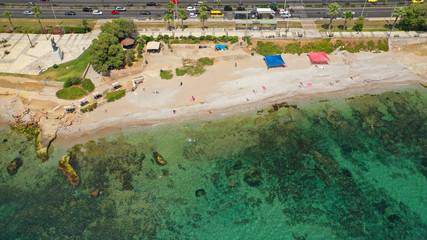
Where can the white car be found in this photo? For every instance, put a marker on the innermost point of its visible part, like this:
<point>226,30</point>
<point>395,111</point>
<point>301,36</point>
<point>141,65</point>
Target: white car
<point>97,12</point>
<point>121,9</point>
<point>284,13</point>
<point>28,13</point>
<point>190,9</point>
<point>193,15</point>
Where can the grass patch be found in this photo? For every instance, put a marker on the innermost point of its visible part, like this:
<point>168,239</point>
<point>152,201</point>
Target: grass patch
<point>196,70</point>
<point>166,75</point>
<point>75,69</point>
<point>208,25</point>
<point>88,85</point>
<point>113,96</point>
<point>205,61</point>
<point>181,72</point>
<point>325,45</point>
<point>369,26</point>
<point>71,93</point>
<point>26,25</point>
<point>268,48</point>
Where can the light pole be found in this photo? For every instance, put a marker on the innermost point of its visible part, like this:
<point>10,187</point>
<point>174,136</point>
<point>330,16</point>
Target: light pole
<point>363,9</point>
<point>51,5</point>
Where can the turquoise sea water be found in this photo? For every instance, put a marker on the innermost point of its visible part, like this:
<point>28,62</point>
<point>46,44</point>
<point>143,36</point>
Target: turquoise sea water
<point>344,169</point>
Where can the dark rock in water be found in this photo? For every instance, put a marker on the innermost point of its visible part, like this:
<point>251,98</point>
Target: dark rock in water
<point>94,193</point>
<point>197,217</point>
<point>165,172</point>
<point>4,140</point>
<point>346,173</point>
<point>253,177</point>
<point>200,193</point>
<point>237,165</point>
<point>13,166</point>
<point>181,167</point>
<point>393,218</point>
<point>160,160</point>
<point>127,182</point>
<point>381,207</point>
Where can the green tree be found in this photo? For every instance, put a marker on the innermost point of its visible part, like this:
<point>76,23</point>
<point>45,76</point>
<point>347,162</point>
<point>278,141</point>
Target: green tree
<point>219,3</point>
<point>106,52</point>
<point>119,27</point>
<point>347,15</point>
<point>171,8</point>
<point>203,13</point>
<point>85,24</point>
<point>399,13</point>
<point>358,25</point>
<point>415,17</point>
<point>8,15</point>
<point>37,14</point>
<point>333,10</point>
<point>168,18</point>
<point>182,14</point>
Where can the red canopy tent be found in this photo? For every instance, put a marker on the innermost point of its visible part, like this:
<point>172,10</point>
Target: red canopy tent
<point>128,42</point>
<point>318,57</point>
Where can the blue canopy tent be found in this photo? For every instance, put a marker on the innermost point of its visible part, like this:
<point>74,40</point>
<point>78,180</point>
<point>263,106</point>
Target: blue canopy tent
<point>274,61</point>
<point>220,47</point>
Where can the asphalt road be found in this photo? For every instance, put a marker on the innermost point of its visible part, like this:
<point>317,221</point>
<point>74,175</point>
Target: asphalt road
<point>159,13</point>
<point>139,3</point>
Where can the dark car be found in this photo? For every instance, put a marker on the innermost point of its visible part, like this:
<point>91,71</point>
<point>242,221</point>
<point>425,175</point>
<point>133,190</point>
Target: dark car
<point>70,13</point>
<point>143,12</point>
<point>274,8</point>
<point>240,8</point>
<point>87,9</point>
<point>151,4</point>
<point>209,8</point>
<point>228,8</point>
<point>167,12</point>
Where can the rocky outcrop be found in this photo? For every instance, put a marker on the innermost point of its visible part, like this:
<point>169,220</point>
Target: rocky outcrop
<point>94,193</point>
<point>14,165</point>
<point>160,160</point>
<point>68,170</point>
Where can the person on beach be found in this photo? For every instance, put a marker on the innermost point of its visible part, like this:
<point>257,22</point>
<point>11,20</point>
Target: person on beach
<point>174,111</point>
<point>180,84</point>
<point>235,64</point>
<point>264,88</point>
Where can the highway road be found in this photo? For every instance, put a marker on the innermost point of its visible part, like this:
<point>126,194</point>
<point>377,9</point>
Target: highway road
<point>140,3</point>
<point>159,13</point>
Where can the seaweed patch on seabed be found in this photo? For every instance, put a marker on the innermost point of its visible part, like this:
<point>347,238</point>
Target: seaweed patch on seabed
<point>300,156</point>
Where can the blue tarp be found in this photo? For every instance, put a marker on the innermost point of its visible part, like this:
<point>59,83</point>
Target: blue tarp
<point>274,61</point>
<point>220,46</point>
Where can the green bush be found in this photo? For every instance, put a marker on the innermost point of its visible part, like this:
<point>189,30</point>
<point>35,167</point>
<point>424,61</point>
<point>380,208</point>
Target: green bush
<point>268,48</point>
<point>72,81</point>
<point>88,85</point>
<point>248,40</point>
<point>205,61</point>
<point>55,66</point>
<point>180,72</point>
<point>196,70</point>
<point>71,93</point>
<point>358,25</point>
<point>113,96</point>
<point>89,108</point>
<point>166,75</point>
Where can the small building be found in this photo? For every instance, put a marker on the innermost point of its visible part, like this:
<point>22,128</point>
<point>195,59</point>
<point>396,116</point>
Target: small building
<point>127,43</point>
<point>153,47</point>
<point>318,57</point>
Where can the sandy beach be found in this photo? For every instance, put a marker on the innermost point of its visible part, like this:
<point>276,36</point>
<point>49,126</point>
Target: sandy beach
<point>237,82</point>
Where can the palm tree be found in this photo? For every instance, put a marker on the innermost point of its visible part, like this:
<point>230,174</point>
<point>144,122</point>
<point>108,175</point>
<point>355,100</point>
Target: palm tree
<point>203,13</point>
<point>333,10</point>
<point>8,15</point>
<point>182,14</point>
<point>399,13</point>
<point>347,15</point>
<point>168,18</point>
<point>85,24</point>
<point>37,14</point>
<point>171,8</point>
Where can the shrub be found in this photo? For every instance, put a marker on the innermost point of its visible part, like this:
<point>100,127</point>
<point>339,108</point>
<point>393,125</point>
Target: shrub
<point>113,96</point>
<point>205,61</point>
<point>55,66</point>
<point>358,25</point>
<point>72,81</point>
<point>248,40</point>
<point>89,108</point>
<point>382,45</point>
<point>180,72</point>
<point>71,93</point>
<point>88,85</point>
<point>166,75</point>
<point>268,48</point>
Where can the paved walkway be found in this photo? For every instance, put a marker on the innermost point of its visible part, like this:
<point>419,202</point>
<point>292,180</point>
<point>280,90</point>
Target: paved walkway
<point>31,60</point>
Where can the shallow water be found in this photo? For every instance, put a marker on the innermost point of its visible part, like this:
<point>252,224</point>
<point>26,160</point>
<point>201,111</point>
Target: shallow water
<point>342,169</point>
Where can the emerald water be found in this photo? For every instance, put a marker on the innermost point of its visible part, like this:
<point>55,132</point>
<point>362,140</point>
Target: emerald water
<point>343,169</point>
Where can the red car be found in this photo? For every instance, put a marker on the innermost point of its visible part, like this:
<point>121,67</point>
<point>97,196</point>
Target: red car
<point>115,12</point>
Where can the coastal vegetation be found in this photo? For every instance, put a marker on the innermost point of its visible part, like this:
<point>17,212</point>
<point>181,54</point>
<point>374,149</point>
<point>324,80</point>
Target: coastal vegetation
<point>166,74</point>
<point>88,85</point>
<point>106,51</point>
<point>113,96</point>
<point>75,87</point>
<point>71,93</point>
<point>89,108</point>
<point>268,48</point>
<point>194,68</point>
<point>25,25</point>
<point>414,18</point>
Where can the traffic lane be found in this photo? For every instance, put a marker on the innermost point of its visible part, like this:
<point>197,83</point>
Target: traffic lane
<point>368,12</point>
